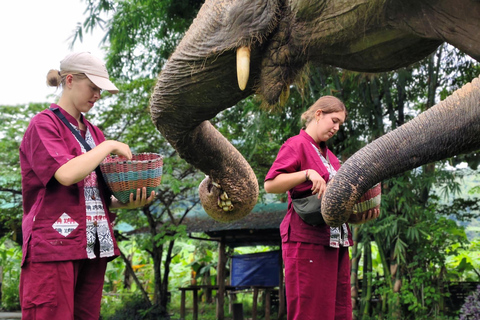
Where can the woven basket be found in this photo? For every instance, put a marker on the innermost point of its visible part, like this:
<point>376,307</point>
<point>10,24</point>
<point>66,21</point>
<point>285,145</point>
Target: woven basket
<point>126,176</point>
<point>370,200</point>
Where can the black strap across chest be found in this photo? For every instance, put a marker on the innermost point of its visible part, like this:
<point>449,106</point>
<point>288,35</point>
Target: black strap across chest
<point>82,141</point>
<point>69,126</point>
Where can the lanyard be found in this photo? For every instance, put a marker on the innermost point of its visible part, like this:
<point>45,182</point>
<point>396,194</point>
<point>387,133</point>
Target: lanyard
<point>79,138</point>
<point>69,126</point>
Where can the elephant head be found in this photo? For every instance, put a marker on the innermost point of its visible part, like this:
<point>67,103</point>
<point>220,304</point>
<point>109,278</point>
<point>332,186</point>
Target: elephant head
<point>236,48</point>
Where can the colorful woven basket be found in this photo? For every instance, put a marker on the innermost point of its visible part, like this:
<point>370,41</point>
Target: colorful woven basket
<point>126,176</point>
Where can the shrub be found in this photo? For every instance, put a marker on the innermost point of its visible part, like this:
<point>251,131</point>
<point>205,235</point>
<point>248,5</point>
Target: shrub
<point>135,308</point>
<point>471,308</point>
<point>10,258</point>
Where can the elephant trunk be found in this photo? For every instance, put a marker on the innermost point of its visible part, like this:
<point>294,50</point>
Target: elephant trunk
<point>199,81</point>
<point>230,190</point>
<point>183,101</point>
<point>449,128</point>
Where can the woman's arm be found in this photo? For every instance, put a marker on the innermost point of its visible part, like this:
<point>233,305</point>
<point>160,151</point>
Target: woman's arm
<point>286,181</point>
<point>78,168</point>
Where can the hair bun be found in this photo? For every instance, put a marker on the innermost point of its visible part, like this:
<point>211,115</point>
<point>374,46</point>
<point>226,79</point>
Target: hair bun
<point>53,78</point>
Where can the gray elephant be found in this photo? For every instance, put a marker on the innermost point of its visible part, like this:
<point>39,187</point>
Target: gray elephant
<point>236,48</point>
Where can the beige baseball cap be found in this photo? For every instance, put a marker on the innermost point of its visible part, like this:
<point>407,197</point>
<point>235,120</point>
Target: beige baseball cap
<point>92,67</point>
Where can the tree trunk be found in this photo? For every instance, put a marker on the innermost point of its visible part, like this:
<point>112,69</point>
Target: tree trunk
<point>397,286</point>
<point>166,273</point>
<point>367,279</point>
<point>129,268</point>
<point>386,272</point>
<point>127,278</point>
<point>157,271</point>
<point>354,272</point>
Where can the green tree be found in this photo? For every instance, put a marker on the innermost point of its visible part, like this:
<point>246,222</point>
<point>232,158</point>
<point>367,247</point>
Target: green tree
<point>13,123</point>
<point>126,118</point>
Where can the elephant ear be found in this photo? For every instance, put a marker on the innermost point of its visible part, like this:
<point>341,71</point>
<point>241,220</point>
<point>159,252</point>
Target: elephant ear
<point>227,25</point>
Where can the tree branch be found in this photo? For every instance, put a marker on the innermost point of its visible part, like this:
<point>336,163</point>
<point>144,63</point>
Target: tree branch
<point>128,265</point>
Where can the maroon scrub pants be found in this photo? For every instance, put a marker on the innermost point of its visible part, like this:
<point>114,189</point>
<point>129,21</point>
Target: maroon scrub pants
<point>317,282</point>
<point>63,290</point>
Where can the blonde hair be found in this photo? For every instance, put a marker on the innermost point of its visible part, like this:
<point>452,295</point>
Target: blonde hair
<point>56,78</point>
<point>328,104</point>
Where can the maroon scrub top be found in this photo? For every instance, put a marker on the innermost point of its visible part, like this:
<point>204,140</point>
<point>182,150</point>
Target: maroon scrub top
<point>46,146</point>
<point>298,154</point>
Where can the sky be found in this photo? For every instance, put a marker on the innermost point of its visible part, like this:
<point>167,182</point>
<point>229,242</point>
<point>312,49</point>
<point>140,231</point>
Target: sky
<point>34,39</point>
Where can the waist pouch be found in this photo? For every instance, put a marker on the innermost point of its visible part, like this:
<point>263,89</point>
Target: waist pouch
<point>308,209</point>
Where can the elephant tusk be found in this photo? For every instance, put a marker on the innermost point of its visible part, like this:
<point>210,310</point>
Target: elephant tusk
<point>243,66</point>
<point>284,96</point>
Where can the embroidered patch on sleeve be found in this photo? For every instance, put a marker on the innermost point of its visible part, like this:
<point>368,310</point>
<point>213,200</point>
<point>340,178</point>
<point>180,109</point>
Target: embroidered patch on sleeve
<point>65,225</point>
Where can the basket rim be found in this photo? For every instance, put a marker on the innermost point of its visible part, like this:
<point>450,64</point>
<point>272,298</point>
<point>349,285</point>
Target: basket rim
<point>115,159</point>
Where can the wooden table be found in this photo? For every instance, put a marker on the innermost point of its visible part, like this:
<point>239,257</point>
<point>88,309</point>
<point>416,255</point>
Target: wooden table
<point>196,288</point>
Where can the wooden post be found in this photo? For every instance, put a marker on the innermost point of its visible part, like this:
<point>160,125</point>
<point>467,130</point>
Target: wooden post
<point>182,305</point>
<point>237,311</point>
<point>254,303</point>
<point>195,304</point>
<point>221,279</point>
<point>208,291</point>
<point>267,304</point>
<point>281,290</point>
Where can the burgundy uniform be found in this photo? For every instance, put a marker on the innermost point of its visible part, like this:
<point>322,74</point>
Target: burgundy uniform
<point>317,266</point>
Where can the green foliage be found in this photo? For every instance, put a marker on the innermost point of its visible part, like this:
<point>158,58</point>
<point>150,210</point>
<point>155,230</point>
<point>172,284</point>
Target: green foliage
<point>141,34</point>
<point>133,307</point>
<point>13,123</point>
<point>169,232</point>
<point>10,258</point>
<point>463,261</point>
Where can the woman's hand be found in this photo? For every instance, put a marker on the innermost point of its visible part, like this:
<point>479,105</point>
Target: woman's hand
<point>358,218</point>
<point>140,200</point>
<point>318,183</point>
<point>119,148</point>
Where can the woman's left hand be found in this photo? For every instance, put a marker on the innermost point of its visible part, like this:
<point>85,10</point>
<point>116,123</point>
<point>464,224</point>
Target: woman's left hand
<point>140,200</point>
<point>365,217</point>
<point>318,183</point>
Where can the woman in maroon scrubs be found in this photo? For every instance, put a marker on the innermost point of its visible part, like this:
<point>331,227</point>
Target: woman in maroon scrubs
<point>67,226</point>
<point>316,258</point>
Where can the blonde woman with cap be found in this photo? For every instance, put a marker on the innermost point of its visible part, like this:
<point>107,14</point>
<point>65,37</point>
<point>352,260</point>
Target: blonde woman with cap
<point>315,255</point>
<point>67,226</point>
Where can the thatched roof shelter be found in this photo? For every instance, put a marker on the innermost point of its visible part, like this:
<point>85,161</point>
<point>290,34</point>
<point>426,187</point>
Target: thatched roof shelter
<point>259,227</point>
